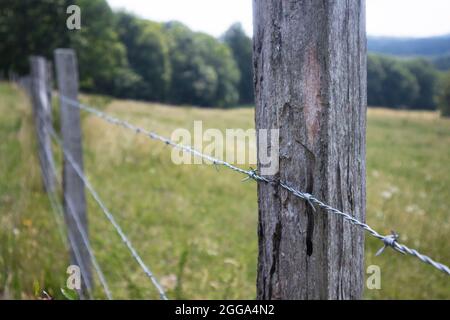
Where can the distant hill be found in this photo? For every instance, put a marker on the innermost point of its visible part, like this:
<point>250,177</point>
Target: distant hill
<point>432,46</point>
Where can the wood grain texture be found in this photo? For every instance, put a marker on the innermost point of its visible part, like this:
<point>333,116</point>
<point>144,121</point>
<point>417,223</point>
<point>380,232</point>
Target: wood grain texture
<point>73,186</point>
<point>42,119</point>
<point>310,83</point>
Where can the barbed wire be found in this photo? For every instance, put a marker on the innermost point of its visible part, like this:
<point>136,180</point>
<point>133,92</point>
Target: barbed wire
<point>109,216</point>
<point>58,215</point>
<point>57,209</point>
<point>388,240</point>
<point>76,250</point>
<point>71,211</point>
<point>85,238</point>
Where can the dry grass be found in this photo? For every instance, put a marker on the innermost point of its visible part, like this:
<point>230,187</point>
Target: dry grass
<point>196,228</point>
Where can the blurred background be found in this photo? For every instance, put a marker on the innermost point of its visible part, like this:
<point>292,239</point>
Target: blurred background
<point>199,52</point>
<point>164,64</point>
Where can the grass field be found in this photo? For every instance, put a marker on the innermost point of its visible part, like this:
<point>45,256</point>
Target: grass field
<point>196,227</point>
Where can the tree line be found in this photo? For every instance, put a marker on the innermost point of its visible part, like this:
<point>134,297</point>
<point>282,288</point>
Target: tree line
<point>401,83</point>
<point>407,83</point>
<point>125,56</point>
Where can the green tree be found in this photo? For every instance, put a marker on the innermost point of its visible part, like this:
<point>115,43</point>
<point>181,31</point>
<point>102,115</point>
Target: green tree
<point>38,27</point>
<point>375,79</point>
<point>241,46</point>
<point>101,55</point>
<point>444,95</point>
<point>30,27</point>
<point>400,87</point>
<point>192,81</point>
<point>148,54</point>
<point>394,82</point>
<point>219,57</point>
<point>426,77</point>
<point>203,69</point>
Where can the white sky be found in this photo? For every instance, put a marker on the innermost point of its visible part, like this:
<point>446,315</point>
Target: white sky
<point>412,18</point>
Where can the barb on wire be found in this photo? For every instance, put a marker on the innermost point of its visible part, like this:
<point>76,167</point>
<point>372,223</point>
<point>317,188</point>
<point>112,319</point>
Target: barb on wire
<point>110,217</point>
<point>387,240</point>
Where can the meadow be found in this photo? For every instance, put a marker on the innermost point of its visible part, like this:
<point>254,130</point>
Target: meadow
<point>196,226</point>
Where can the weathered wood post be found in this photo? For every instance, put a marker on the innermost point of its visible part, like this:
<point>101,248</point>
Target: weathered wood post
<point>310,83</point>
<point>49,81</point>
<point>42,119</point>
<point>73,186</point>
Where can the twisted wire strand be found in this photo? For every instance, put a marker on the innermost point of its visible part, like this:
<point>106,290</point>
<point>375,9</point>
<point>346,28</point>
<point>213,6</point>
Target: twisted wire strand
<point>111,218</point>
<point>388,240</point>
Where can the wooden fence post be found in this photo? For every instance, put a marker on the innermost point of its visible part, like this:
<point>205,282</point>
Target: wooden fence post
<point>310,83</point>
<point>49,81</point>
<point>42,118</point>
<point>73,186</point>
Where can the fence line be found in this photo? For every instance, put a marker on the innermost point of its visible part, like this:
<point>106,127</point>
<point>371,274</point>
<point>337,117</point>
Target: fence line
<point>388,240</point>
<point>58,215</point>
<point>34,86</point>
<point>85,238</point>
<point>109,216</point>
<point>58,212</point>
<point>55,204</point>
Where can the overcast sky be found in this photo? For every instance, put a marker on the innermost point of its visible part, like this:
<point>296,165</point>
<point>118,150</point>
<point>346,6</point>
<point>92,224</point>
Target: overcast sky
<point>411,18</point>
